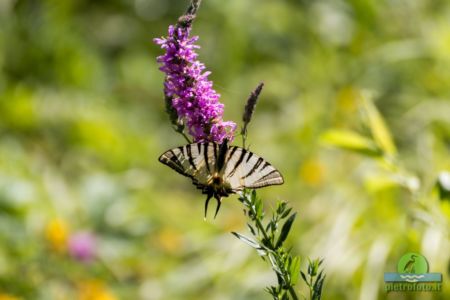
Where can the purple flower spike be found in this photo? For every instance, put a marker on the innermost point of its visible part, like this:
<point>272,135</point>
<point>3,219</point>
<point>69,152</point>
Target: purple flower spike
<point>82,246</point>
<point>187,87</point>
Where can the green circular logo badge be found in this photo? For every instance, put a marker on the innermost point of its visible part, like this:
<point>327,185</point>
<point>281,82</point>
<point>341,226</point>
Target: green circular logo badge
<point>413,263</point>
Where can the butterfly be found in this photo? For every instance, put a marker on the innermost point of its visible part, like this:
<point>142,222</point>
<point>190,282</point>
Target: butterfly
<point>220,170</point>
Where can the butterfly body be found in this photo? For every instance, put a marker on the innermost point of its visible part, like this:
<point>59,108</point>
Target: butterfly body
<point>220,170</point>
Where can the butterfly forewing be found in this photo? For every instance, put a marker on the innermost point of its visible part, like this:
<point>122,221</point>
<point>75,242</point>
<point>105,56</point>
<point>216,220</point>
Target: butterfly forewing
<point>196,161</point>
<point>241,168</point>
<point>245,169</point>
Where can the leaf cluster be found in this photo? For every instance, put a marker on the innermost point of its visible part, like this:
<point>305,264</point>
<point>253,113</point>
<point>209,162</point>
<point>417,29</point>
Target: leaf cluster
<point>268,240</point>
<point>380,142</point>
<point>314,279</point>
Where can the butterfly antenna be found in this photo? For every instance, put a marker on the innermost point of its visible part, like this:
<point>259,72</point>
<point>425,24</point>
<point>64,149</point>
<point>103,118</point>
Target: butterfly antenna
<point>219,202</point>
<point>206,205</point>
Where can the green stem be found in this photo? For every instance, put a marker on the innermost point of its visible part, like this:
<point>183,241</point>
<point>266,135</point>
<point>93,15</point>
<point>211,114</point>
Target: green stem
<point>185,137</point>
<point>270,247</point>
<point>258,222</point>
<point>244,136</point>
<point>293,294</point>
<point>263,231</point>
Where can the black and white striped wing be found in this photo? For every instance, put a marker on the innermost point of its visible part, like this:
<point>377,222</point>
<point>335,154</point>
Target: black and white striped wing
<point>245,169</point>
<point>196,161</point>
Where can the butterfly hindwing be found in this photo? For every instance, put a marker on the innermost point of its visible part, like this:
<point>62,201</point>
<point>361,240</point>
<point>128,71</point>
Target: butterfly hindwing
<point>244,169</point>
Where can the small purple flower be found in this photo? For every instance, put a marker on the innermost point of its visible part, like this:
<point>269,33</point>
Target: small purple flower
<point>82,246</point>
<point>188,88</point>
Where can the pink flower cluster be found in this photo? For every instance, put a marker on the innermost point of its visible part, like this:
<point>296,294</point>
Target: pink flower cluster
<point>82,246</point>
<point>188,87</point>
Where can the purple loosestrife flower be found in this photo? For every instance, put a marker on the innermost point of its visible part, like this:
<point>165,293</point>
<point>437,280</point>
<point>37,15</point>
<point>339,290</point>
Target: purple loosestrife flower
<point>188,88</point>
<point>82,246</point>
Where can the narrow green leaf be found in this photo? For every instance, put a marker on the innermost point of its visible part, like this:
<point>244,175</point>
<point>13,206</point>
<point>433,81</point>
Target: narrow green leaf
<point>351,141</point>
<point>285,230</point>
<point>252,230</point>
<point>320,262</point>
<point>274,263</point>
<point>261,252</point>
<point>253,196</point>
<point>272,290</point>
<point>379,182</point>
<point>281,206</point>
<point>304,277</point>
<point>286,213</point>
<point>380,131</point>
<point>269,225</point>
<point>314,267</point>
<point>317,289</point>
<point>247,240</point>
<point>287,263</point>
<point>294,270</point>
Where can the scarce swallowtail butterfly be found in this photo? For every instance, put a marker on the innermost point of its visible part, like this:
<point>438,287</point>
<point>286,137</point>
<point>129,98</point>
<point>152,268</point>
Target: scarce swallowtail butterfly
<point>220,170</point>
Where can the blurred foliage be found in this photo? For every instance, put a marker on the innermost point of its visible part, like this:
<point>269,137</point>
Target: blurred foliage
<point>82,123</point>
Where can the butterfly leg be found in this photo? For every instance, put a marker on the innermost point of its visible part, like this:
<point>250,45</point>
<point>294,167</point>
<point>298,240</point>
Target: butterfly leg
<point>219,202</point>
<point>206,203</point>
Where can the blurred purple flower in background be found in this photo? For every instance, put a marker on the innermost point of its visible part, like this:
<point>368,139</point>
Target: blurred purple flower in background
<point>188,88</point>
<point>82,246</point>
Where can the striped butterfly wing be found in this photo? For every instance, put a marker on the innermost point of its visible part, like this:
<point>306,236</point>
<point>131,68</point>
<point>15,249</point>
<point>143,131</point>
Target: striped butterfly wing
<point>245,169</point>
<point>196,161</point>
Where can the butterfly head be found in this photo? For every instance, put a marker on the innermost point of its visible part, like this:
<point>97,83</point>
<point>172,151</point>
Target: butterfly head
<point>217,181</point>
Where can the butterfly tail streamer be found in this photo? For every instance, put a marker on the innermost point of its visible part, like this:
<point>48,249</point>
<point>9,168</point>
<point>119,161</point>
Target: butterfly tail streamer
<point>206,205</point>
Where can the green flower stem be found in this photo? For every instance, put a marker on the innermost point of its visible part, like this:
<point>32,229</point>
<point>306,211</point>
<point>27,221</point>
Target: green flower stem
<point>185,136</point>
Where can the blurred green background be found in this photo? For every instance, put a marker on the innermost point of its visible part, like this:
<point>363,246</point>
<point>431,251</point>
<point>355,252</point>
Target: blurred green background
<point>82,123</point>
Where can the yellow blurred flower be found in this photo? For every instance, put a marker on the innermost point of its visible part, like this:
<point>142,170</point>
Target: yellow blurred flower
<point>169,239</point>
<point>94,290</point>
<point>312,172</point>
<point>56,234</point>
<point>8,297</point>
